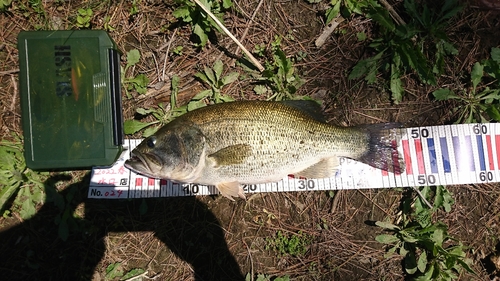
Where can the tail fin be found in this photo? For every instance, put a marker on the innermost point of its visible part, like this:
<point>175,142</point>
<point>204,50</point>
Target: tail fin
<point>383,148</point>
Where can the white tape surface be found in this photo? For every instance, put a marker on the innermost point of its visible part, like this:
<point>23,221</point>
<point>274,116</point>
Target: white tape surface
<point>434,155</point>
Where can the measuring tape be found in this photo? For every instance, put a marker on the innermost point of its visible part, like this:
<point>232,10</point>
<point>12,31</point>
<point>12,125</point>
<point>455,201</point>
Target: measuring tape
<point>434,155</point>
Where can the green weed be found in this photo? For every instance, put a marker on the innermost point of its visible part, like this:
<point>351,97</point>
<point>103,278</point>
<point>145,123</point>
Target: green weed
<point>279,79</point>
<point>4,5</point>
<point>134,9</point>
<point>202,25</point>
<point>139,82</point>
<point>213,77</point>
<point>37,7</point>
<point>25,189</point>
<point>18,180</point>
<point>346,8</point>
<point>116,270</point>
<point>162,114</point>
<point>294,244</point>
<point>84,17</point>
<point>420,45</point>
<point>429,252</point>
<point>66,220</point>
<point>477,103</point>
<point>260,49</point>
<point>106,24</point>
<point>361,36</point>
<point>177,50</point>
<point>34,11</point>
<point>322,225</point>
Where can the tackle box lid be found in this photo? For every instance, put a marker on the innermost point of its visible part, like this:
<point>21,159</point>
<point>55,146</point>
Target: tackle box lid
<point>70,98</point>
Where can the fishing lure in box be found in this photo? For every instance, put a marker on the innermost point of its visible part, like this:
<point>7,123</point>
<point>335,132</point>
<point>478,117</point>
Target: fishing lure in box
<point>70,98</point>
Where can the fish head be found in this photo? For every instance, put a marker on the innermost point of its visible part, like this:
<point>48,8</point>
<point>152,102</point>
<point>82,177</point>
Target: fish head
<point>174,152</point>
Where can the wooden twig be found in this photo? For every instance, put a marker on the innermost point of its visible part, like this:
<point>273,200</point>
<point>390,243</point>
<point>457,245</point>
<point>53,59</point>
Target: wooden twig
<point>328,30</point>
<point>138,277</point>
<point>142,276</point>
<point>393,12</point>
<point>14,97</point>
<point>248,25</point>
<point>249,55</point>
<point>7,72</point>
<point>423,198</point>
<point>335,201</point>
<point>166,54</point>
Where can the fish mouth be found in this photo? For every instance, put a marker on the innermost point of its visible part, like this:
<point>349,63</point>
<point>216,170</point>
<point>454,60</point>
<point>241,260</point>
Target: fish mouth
<point>138,163</point>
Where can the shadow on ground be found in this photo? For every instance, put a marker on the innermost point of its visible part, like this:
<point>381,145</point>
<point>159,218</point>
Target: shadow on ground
<point>34,250</point>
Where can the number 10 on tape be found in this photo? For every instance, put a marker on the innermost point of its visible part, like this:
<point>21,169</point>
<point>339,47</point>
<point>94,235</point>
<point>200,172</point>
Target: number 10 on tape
<point>433,155</point>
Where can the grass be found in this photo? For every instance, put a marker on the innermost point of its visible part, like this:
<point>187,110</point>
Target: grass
<point>139,82</point>
<point>295,244</point>
<point>22,188</point>
<point>419,46</point>
<point>177,238</point>
<point>202,25</point>
<point>478,101</point>
<point>428,251</point>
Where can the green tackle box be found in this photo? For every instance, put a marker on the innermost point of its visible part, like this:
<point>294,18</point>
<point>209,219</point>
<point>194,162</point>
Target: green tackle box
<point>70,99</point>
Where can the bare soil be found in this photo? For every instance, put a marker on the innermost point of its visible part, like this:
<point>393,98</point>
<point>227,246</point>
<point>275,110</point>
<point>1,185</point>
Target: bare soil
<point>212,238</point>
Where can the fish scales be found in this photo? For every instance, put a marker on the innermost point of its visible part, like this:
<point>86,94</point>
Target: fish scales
<point>283,139</point>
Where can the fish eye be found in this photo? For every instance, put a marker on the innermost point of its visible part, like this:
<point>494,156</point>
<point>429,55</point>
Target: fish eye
<point>151,142</point>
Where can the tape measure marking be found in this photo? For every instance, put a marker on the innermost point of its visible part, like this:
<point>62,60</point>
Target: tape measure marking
<point>433,155</point>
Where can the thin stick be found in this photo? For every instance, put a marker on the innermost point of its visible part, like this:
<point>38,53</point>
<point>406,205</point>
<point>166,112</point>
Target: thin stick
<point>12,71</point>
<point>14,97</point>
<point>423,198</point>
<point>328,30</point>
<point>144,274</point>
<point>335,201</point>
<point>248,25</point>
<point>166,55</point>
<point>250,56</point>
<point>393,12</point>
<point>251,259</point>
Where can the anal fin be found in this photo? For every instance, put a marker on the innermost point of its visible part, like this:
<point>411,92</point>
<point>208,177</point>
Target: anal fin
<point>230,190</point>
<point>323,169</point>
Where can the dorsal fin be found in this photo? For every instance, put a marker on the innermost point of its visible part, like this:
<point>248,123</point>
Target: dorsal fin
<point>309,107</point>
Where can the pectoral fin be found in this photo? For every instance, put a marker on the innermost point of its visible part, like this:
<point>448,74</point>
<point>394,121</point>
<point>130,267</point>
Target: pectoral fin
<point>323,169</point>
<point>230,190</point>
<point>231,155</point>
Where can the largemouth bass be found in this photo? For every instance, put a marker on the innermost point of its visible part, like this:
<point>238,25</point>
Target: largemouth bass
<point>251,142</point>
